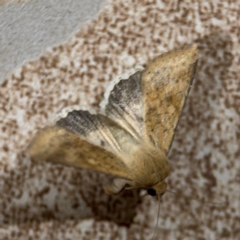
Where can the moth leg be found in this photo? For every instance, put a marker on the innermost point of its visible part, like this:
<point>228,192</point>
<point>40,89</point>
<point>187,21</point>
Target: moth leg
<point>117,186</point>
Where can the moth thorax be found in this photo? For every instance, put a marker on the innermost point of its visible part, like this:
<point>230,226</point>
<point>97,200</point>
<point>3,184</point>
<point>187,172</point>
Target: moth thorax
<point>151,165</point>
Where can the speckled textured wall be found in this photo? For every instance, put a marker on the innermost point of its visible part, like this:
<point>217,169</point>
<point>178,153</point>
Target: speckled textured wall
<point>45,201</point>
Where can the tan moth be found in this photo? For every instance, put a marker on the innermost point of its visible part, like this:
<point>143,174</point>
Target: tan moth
<point>132,137</point>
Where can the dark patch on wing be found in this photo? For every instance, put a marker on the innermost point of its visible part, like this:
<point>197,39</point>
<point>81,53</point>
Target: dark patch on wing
<point>125,104</point>
<point>98,130</point>
<point>80,122</point>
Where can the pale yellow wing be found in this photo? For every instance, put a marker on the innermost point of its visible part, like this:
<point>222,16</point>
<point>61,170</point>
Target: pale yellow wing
<point>86,140</point>
<point>124,104</point>
<point>100,131</point>
<point>59,145</point>
<point>165,85</point>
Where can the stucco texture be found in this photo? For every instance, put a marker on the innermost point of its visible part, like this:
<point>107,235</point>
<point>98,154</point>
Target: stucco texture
<point>46,201</point>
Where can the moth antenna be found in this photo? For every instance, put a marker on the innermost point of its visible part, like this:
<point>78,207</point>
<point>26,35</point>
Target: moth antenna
<point>158,214</point>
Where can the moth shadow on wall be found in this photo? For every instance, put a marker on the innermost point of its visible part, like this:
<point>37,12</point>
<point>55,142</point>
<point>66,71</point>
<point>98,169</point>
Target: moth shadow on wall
<point>194,156</point>
<point>61,193</point>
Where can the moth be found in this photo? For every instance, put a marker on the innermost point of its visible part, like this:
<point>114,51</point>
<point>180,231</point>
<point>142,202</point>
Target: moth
<point>130,138</point>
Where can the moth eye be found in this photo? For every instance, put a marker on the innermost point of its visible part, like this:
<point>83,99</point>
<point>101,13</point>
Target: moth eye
<point>151,192</point>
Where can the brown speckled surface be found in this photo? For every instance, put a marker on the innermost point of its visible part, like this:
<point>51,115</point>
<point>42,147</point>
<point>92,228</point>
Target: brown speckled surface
<point>44,201</point>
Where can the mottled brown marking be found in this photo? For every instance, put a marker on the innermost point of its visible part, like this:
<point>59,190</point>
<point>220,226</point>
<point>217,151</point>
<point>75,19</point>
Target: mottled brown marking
<point>165,83</point>
<point>61,146</point>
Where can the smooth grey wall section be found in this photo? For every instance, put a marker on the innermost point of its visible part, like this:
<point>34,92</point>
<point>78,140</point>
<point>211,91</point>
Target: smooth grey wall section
<point>27,29</point>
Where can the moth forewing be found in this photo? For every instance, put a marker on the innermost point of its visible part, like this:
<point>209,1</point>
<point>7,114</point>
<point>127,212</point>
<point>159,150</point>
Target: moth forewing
<point>165,83</point>
<point>58,145</point>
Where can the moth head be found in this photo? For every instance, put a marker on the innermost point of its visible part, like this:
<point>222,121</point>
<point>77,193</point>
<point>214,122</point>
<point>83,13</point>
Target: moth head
<point>158,190</point>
